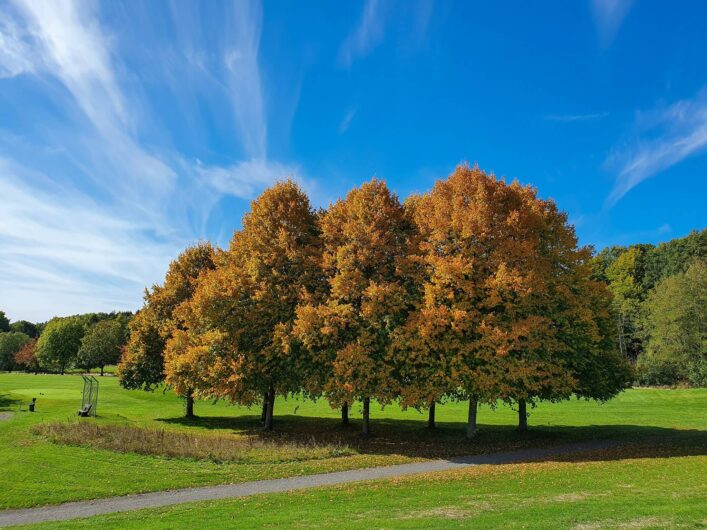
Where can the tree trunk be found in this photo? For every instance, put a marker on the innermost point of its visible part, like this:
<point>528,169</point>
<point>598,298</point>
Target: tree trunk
<point>264,412</point>
<point>431,416</point>
<point>471,422</point>
<point>101,371</point>
<point>522,416</point>
<point>270,409</point>
<point>366,416</point>
<point>189,411</point>
<point>345,414</point>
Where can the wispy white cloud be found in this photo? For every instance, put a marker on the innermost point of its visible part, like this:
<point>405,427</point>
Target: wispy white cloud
<point>15,55</point>
<point>410,20</point>
<point>97,217</point>
<point>608,15</point>
<point>367,34</point>
<point>665,137</point>
<point>76,51</point>
<point>245,179</point>
<point>576,117</point>
<point>346,121</point>
<point>61,245</point>
<point>241,61</point>
<point>70,47</point>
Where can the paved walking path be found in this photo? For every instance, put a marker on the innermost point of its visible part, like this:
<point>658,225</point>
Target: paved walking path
<point>74,510</point>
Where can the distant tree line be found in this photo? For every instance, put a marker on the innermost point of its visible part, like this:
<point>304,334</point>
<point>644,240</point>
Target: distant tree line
<point>476,290</point>
<point>91,340</point>
<point>660,301</point>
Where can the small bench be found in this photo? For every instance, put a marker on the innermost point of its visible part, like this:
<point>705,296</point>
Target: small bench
<point>30,405</point>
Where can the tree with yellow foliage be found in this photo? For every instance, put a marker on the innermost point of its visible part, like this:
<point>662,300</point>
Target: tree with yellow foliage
<point>509,311</point>
<point>235,343</point>
<point>143,361</point>
<point>369,275</point>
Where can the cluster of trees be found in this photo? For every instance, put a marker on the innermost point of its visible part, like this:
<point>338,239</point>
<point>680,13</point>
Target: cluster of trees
<point>92,340</point>
<point>661,311</point>
<point>13,338</point>
<point>476,290</point>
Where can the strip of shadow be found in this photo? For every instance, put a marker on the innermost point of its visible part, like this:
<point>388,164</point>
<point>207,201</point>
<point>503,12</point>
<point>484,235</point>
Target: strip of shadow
<point>412,439</point>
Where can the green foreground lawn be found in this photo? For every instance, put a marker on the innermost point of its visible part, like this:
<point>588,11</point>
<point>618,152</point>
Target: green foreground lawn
<point>597,491</point>
<point>35,471</point>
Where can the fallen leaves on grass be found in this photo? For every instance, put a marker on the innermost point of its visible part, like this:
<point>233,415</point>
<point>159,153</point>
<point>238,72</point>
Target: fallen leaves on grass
<point>641,522</point>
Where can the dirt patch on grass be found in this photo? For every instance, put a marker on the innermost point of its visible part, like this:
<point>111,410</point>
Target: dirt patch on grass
<point>575,496</point>
<point>466,509</point>
<point>444,512</point>
<point>5,416</point>
<point>159,442</point>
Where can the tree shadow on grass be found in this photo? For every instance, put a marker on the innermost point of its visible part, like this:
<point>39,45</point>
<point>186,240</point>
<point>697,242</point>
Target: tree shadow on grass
<point>412,439</point>
<point>6,402</point>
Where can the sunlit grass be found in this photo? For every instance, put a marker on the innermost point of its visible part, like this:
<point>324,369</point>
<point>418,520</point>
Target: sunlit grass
<point>619,488</point>
<point>34,470</point>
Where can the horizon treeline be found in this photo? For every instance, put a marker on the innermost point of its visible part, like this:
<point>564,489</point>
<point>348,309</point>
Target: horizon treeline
<point>476,290</point>
<point>86,341</point>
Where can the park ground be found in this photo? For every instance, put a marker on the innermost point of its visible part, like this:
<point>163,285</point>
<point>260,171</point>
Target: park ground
<point>655,479</point>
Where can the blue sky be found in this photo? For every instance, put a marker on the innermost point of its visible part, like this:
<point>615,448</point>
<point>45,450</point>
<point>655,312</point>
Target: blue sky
<point>129,130</point>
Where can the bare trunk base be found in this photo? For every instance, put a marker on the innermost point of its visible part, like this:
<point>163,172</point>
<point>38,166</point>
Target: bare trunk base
<point>345,414</point>
<point>264,411</point>
<point>522,416</point>
<point>431,416</point>
<point>269,410</point>
<point>189,406</point>
<point>471,421</point>
<point>366,416</point>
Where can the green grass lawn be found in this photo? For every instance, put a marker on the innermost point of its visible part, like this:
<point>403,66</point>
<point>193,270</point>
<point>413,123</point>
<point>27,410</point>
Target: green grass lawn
<point>36,471</point>
<point>607,490</point>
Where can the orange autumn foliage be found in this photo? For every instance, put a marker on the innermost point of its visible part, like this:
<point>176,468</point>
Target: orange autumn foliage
<point>143,362</point>
<point>476,290</point>
<point>235,341</point>
<point>368,266</point>
<point>26,357</point>
<point>509,310</point>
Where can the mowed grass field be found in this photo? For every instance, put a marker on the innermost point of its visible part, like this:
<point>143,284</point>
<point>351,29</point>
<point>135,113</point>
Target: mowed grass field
<point>597,491</point>
<point>666,431</point>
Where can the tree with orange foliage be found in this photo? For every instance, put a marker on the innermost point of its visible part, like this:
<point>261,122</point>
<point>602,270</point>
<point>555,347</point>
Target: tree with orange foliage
<point>369,272</point>
<point>26,356</point>
<point>142,362</point>
<point>504,313</point>
<point>236,344</point>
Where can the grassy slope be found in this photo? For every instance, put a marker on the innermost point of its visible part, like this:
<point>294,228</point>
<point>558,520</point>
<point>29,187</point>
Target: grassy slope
<point>37,472</point>
<point>657,492</point>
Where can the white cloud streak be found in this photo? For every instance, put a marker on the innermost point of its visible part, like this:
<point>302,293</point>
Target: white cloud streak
<point>568,118</point>
<point>367,34</point>
<point>666,137</point>
<point>15,56</point>
<point>245,179</point>
<point>76,51</point>
<point>346,121</point>
<point>241,62</point>
<point>608,16</point>
<point>411,18</point>
<point>62,245</point>
<point>70,247</point>
<point>71,47</point>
